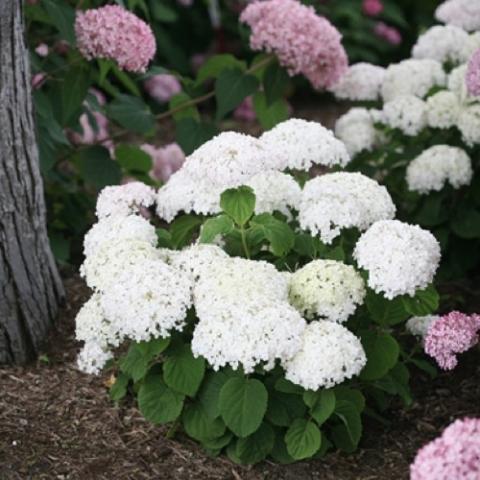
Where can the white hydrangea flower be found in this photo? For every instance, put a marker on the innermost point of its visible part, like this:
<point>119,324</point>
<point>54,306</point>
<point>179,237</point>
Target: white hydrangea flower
<point>93,357</point>
<point>469,124</point>
<point>400,258</point>
<point>472,45</point>
<point>436,166</point>
<point>446,44</point>
<point>419,326</point>
<point>275,191</point>
<point>148,300</point>
<point>123,200</point>
<point>412,77</point>
<point>340,200</point>
<point>326,289</point>
<point>458,85</point>
<point>407,113</point>
<point>330,354</point>
<point>362,81</point>
<point>299,144</point>
<point>356,130</point>
<point>443,109</point>
<point>114,229</point>
<point>461,13</point>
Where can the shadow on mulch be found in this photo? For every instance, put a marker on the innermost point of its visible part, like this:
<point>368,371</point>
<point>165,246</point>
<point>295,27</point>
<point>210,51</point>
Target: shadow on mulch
<point>57,423</point>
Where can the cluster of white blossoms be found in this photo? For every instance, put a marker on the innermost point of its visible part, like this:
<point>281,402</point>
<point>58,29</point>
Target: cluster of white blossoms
<point>326,290</point>
<point>419,326</point>
<point>407,113</point>
<point>361,82</point>
<point>443,109</point>
<point>469,124</point>
<point>461,13</point>
<point>400,258</point>
<point>341,200</point>
<point>329,355</point>
<point>436,166</point>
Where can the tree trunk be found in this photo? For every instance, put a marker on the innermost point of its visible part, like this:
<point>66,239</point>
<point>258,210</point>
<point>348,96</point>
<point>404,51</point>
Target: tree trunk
<point>30,287</point>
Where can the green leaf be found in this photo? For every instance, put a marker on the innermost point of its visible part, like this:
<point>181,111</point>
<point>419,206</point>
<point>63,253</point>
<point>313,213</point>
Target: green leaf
<point>278,233</point>
<point>322,404</point>
<point>162,12</point>
<point>133,159</point>
<point>219,225</point>
<point>217,443</point>
<point>73,91</point>
<point>119,389</point>
<point>385,312</point>
<point>199,426</point>
<point>466,223</point>
<point>286,386</point>
<point>283,408</point>
<point>425,302</point>
<point>269,115</point>
<point>190,134</point>
<point>210,392</point>
<point>243,403</point>
<point>183,372</point>
<point>280,453</point>
<point>179,100</point>
<point>157,403</point>
<point>382,352</point>
<point>231,88</point>
<point>351,395</point>
<point>275,82</point>
<point>132,113</point>
<point>63,16</point>
<point>256,447</point>
<point>183,228</point>
<point>303,439</point>
<point>238,203</point>
<point>217,64</point>
<point>96,168</point>
<point>347,436</point>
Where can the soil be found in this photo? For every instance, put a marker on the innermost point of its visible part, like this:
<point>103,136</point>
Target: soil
<point>57,423</point>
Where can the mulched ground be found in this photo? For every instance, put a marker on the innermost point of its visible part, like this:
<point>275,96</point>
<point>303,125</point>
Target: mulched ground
<point>57,423</point>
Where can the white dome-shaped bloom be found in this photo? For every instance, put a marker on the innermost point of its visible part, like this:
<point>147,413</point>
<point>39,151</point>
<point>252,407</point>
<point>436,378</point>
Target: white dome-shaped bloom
<point>247,334</point>
<point>275,191</point>
<point>419,326</point>
<point>443,109</point>
<point>400,258</point>
<point>123,200</point>
<point>446,44</point>
<point>326,289</point>
<point>412,77</point>
<point>102,269</point>
<point>362,81</point>
<point>330,354</point>
<point>407,113</point>
<point>93,357</point>
<point>472,45</point>
<point>114,229</point>
<point>356,130</point>
<point>148,300</point>
<point>461,13</point>
<point>298,144</point>
<point>458,85</point>
<point>469,124</point>
<point>340,200</point>
<point>436,166</point>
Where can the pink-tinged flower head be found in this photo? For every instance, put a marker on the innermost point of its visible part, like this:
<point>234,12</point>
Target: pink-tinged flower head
<point>449,335</point>
<point>38,80</point>
<point>162,87</point>
<point>455,455</point>
<point>41,49</point>
<point>390,34</point>
<point>372,8</point>
<point>166,160</point>
<point>473,74</point>
<point>461,13</point>
<point>245,112</point>
<point>114,33</point>
<point>303,41</point>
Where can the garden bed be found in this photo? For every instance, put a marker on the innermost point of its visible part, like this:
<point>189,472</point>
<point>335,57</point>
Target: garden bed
<point>57,423</point>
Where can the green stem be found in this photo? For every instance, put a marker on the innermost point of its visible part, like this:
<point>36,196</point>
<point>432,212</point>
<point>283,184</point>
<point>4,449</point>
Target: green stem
<point>244,242</point>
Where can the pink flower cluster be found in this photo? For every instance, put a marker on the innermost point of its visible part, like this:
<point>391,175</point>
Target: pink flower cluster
<point>166,160</point>
<point>455,455</point>
<point>162,87</point>
<point>303,41</point>
<point>245,111</point>
<point>473,74</point>
<point>372,8</point>
<point>390,34</point>
<point>111,32</point>
<point>449,335</point>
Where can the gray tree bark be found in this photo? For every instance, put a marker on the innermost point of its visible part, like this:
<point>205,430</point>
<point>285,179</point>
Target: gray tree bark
<point>30,286</point>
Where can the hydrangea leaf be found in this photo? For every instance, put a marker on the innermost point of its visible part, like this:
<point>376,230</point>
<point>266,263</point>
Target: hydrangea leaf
<point>199,426</point>
<point>238,203</point>
<point>382,352</point>
<point>303,439</point>
<point>257,446</point>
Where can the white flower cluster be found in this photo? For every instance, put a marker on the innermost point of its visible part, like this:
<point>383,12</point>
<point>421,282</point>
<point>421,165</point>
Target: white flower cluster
<point>407,113</point>
<point>327,290</point>
<point>446,44</point>
<point>361,82</point>
<point>436,166</point>
<point>469,124</point>
<point>461,13</point>
<point>443,109</point>
<point>340,200</point>
<point>419,326</point>
<point>330,354</point>
<point>400,258</point>
<point>412,77</point>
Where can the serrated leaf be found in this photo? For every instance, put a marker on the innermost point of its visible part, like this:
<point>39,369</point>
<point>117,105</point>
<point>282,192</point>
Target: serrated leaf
<point>216,64</point>
<point>132,158</point>
<point>278,233</point>
<point>238,204</point>
<point>97,168</point>
<point>119,389</point>
<point>199,426</point>
<point>190,134</point>
<point>347,436</point>
<point>132,113</point>
<point>179,100</point>
<point>425,302</point>
<point>210,392</point>
<point>257,446</point>
<point>303,439</point>
<point>275,82</point>
<point>183,228</point>
<point>269,115</point>
<point>385,312</point>
<point>382,352</point>
<point>219,225</point>
<point>322,404</point>
<point>63,17</point>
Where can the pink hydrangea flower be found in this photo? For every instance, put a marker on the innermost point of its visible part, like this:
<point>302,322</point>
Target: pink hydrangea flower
<point>449,335</point>
<point>41,50</point>
<point>111,32</point>
<point>245,112</point>
<point>455,455</point>
<point>473,74</point>
<point>166,160</point>
<point>372,8</point>
<point>162,87</point>
<point>38,80</point>
<point>390,34</point>
<point>303,41</point>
